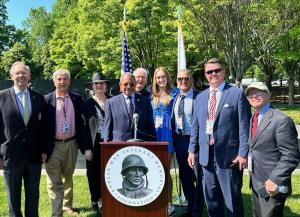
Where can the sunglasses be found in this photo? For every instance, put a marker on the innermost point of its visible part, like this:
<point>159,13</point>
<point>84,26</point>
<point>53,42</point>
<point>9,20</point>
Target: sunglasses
<point>183,78</point>
<point>99,82</point>
<point>129,84</point>
<point>256,94</point>
<point>213,71</point>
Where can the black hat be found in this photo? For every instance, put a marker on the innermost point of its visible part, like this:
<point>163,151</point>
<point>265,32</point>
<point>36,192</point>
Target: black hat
<point>98,76</point>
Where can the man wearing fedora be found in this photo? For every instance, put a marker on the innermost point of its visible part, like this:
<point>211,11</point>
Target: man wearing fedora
<point>92,132</point>
<point>273,153</point>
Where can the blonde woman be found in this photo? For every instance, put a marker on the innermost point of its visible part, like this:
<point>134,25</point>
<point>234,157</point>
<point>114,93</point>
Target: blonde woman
<point>162,100</point>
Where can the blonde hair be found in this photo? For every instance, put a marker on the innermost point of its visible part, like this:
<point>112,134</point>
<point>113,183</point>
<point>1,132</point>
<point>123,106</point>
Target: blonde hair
<point>156,94</point>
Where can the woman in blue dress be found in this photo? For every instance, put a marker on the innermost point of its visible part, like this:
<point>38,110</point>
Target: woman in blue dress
<point>162,100</point>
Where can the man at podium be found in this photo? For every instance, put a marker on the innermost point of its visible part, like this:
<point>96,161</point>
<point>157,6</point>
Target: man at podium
<point>119,112</point>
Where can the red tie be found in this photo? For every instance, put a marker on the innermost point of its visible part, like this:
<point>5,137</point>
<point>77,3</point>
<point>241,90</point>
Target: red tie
<point>254,124</point>
<point>212,111</point>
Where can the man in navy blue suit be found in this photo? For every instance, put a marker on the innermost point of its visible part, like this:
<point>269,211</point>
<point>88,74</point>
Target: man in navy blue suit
<point>119,111</point>
<point>220,132</point>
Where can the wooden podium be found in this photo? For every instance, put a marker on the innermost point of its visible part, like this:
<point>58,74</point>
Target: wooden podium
<point>112,207</point>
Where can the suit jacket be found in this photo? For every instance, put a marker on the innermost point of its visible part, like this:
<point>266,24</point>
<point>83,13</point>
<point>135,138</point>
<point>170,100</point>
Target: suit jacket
<point>195,94</point>
<point>51,119</point>
<point>274,150</point>
<point>118,125</point>
<point>230,130</point>
<point>19,142</point>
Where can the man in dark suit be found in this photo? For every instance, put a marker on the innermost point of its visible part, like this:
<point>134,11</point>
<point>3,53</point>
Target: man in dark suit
<point>273,156</point>
<point>182,114</point>
<point>22,148</point>
<point>64,138</point>
<point>119,110</point>
<point>220,133</point>
<point>141,78</point>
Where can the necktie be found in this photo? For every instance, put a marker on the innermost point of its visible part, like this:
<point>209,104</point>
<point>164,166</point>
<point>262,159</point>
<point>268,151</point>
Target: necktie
<point>130,107</point>
<point>212,105</point>
<point>181,113</point>
<point>26,109</point>
<point>254,124</point>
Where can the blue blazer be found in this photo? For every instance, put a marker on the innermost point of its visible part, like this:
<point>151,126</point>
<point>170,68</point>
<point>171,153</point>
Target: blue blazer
<point>118,125</point>
<point>230,129</point>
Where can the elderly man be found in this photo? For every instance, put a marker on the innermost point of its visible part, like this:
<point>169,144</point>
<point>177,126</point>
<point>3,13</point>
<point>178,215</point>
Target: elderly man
<point>220,133</point>
<point>64,138</point>
<point>119,110</point>
<point>133,170</point>
<point>182,114</point>
<point>273,156</point>
<point>22,147</point>
<point>141,78</point>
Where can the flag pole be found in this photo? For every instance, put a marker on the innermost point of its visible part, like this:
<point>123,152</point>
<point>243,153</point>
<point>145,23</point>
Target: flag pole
<point>181,58</point>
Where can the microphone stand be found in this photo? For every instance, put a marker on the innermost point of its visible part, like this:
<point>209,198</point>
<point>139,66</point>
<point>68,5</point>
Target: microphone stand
<point>135,123</point>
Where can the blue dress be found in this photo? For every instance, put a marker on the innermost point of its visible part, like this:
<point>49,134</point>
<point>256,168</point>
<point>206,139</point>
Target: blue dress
<point>162,119</point>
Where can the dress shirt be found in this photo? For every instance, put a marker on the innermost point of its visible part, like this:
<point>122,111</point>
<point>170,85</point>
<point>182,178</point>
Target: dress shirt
<point>188,112</point>
<point>132,101</point>
<point>220,89</point>
<point>262,112</point>
<point>19,97</point>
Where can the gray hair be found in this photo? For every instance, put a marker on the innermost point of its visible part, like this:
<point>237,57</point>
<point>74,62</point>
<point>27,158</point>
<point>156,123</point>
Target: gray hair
<point>140,70</point>
<point>187,71</point>
<point>125,74</point>
<point>61,72</point>
<point>19,63</point>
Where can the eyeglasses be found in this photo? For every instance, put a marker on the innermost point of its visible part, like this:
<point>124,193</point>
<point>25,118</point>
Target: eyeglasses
<point>99,82</point>
<point>183,78</point>
<point>129,84</point>
<point>256,94</point>
<point>213,71</point>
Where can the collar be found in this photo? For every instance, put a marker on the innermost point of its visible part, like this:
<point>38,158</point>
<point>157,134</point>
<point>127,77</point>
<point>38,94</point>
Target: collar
<point>65,96</point>
<point>132,96</point>
<point>17,91</point>
<point>220,88</point>
<point>188,94</point>
<point>264,109</point>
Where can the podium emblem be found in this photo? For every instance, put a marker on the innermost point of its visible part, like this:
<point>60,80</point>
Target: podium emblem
<point>134,176</point>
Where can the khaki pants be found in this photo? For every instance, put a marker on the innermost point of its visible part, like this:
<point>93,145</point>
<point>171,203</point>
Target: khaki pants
<point>60,169</point>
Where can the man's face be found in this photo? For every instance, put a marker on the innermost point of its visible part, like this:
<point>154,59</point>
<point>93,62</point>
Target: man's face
<point>184,81</point>
<point>161,79</point>
<point>99,86</point>
<point>135,175</point>
<point>258,98</point>
<point>127,85</point>
<point>141,80</point>
<point>20,76</point>
<point>214,74</point>
<point>61,82</point>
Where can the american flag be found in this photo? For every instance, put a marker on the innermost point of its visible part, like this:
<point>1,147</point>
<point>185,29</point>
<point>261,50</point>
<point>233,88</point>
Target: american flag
<point>126,60</point>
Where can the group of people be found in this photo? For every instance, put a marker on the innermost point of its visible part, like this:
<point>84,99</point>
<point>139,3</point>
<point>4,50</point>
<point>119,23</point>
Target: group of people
<point>212,134</point>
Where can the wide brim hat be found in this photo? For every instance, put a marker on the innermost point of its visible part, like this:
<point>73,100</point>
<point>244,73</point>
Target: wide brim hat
<point>98,76</point>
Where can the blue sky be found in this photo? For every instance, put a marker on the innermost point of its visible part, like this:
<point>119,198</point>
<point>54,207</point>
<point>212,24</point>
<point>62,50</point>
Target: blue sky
<point>18,10</point>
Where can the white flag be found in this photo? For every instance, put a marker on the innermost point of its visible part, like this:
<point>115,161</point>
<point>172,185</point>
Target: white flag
<point>181,60</point>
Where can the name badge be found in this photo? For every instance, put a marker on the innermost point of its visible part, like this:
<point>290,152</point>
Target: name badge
<point>209,127</point>
<point>66,127</point>
<point>250,165</point>
<point>179,122</point>
<point>159,121</point>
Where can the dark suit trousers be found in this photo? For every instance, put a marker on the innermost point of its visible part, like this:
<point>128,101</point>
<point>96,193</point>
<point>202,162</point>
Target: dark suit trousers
<point>267,207</point>
<point>31,174</point>
<point>187,177</point>
<point>93,172</point>
<point>222,186</point>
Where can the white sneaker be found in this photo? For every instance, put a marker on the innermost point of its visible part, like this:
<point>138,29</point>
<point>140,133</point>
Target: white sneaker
<point>171,209</point>
<point>100,203</point>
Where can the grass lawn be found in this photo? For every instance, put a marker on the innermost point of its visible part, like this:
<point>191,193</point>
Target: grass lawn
<point>291,110</point>
<point>82,198</point>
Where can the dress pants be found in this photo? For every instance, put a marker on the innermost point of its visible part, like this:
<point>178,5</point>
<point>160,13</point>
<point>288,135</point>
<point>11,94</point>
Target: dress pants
<point>60,169</point>
<point>222,186</point>
<point>268,207</point>
<point>93,172</point>
<point>31,174</point>
<point>192,192</point>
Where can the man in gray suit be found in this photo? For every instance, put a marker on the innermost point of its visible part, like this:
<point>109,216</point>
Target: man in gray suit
<point>119,110</point>
<point>273,154</point>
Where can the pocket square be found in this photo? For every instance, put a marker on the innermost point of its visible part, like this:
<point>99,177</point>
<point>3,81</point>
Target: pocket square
<point>225,106</point>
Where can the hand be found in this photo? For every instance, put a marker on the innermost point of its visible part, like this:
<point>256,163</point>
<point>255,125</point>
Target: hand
<point>44,157</point>
<point>271,187</point>
<point>191,160</point>
<point>1,164</point>
<point>88,155</point>
<point>242,161</point>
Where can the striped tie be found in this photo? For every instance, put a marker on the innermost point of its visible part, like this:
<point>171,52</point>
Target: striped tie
<point>26,109</point>
<point>212,111</point>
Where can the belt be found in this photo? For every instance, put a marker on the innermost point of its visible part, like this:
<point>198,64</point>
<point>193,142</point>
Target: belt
<point>65,140</point>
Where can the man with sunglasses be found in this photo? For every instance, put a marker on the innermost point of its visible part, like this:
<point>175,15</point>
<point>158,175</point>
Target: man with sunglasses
<point>220,133</point>
<point>273,154</point>
<point>119,112</point>
<point>182,114</point>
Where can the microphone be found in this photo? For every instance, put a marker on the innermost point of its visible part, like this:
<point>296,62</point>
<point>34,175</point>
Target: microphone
<point>135,120</point>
